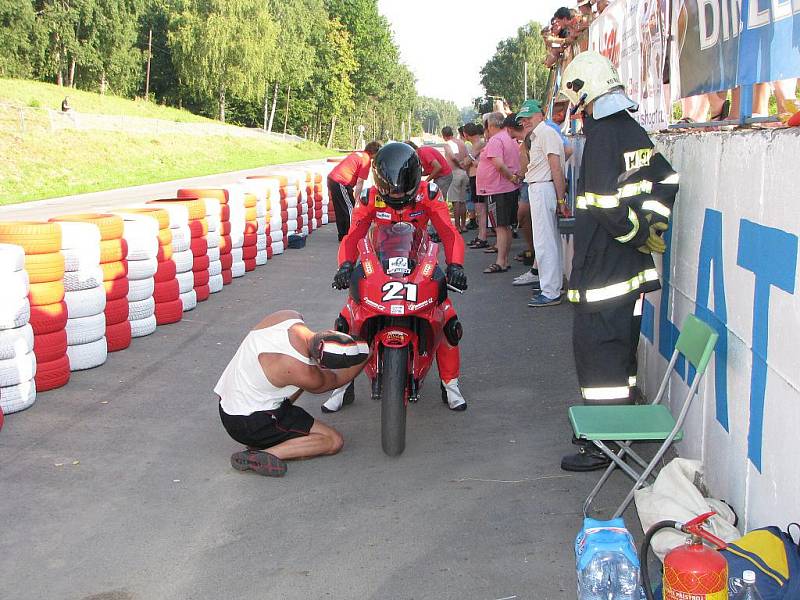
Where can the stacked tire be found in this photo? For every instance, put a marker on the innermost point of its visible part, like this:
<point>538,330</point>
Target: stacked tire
<point>17,358</point>
<point>41,243</point>
<point>218,216</point>
<point>187,220</point>
<point>141,234</point>
<point>237,212</point>
<point>260,189</point>
<point>317,190</point>
<point>213,237</point>
<point>166,292</point>
<point>250,238</point>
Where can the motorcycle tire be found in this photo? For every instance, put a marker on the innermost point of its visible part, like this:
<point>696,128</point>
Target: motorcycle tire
<point>393,405</point>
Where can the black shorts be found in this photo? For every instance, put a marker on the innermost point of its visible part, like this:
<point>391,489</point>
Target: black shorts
<point>473,189</point>
<point>503,208</point>
<point>266,428</point>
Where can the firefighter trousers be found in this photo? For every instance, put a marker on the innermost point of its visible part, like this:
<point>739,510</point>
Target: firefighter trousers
<point>605,345</point>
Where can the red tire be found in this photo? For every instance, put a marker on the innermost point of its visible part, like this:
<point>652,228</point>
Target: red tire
<point>269,252</point>
<point>227,276</point>
<point>116,288</point>
<point>202,293</point>
<point>200,279</point>
<point>225,228</point>
<point>111,226</point>
<point>226,261</point>
<point>166,271</point>
<point>52,374</point>
<point>166,291</point>
<point>249,252</point>
<point>225,244</point>
<point>198,228</point>
<point>169,312</point>
<point>164,253</point>
<point>116,311</point>
<point>48,318</point>
<point>250,239</point>
<point>118,336</point>
<point>200,263</point>
<point>113,250</point>
<point>224,213</point>
<point>114,270</point>
<point>249,264</point>
<point>50,346</point>
<point>199,246</point>
<point>250,228</point>
<point>48,292</point>
<point>42,268</point>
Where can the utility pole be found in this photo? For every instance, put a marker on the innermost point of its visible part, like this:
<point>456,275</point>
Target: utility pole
<point>149,54</point>
<point>526,81</point>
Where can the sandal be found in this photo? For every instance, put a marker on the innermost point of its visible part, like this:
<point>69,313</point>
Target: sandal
<point>495,268</point>
<point>478,243</point>
<point>491,250</point>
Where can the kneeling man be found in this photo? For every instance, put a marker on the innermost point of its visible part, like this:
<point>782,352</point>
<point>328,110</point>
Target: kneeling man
<point>277,361</point>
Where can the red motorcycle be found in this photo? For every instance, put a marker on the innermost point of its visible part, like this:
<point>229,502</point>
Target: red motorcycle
<point>396,295</point>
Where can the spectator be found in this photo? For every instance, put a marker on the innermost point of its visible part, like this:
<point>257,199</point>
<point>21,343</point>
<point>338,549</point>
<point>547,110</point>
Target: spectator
<point>65,107</point>
<point>455,151</point>
<point>345,182</point>
<point>434,166</point>
<point>519,132</point>
<point>474,134</point>
<point>498,181</point>
<point>470,202</point>
<point>546,185</point>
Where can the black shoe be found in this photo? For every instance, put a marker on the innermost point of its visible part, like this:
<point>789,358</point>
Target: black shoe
<point>585,460</point>
<point>472,225</point>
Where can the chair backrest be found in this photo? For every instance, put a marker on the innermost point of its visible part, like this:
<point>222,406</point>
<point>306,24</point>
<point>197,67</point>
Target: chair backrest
<point>696,342</point>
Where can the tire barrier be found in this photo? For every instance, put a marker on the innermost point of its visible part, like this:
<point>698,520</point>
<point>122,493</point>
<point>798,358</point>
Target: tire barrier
<point>214,267</point>
<point>237,209</point>
<point>18,359</point>
<point>224,227</point>
<point>179,267</point>
<point>141,232</point>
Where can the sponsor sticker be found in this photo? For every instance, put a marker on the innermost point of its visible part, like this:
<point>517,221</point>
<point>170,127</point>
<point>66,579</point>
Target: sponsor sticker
<point>374,304</point>
<point>420,305</point>
<point>380,203</point>
<point>398,264</point>
<point>368,268</point>
<point>427,270</point>
<point>417,213</point>
<point>383,215</point>
<point>397,309</point>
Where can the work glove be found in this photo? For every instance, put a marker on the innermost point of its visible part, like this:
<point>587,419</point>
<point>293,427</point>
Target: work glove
<point>456,276</point>
<point>341,281</point>
<point>654,242</point>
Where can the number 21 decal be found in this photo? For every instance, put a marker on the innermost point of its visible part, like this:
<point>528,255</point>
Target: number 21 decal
<point>394,290</point>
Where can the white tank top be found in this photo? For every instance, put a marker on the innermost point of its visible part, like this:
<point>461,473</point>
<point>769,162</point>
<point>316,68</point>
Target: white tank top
<point>243,386</point>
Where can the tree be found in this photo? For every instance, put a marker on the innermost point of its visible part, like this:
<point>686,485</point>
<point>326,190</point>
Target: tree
<point>56,37</point>
<point>16,27</point>
<point>503,74</point>
<point>339,57</point>
<point>221,47</point>
<point>434,114</point>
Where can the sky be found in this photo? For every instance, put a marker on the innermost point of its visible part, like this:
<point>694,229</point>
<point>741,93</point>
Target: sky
<point>446,42</point>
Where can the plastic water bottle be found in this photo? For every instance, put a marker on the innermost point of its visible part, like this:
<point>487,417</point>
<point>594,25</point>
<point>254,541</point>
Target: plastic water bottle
<point>606,562</point>
<point>747,590</point>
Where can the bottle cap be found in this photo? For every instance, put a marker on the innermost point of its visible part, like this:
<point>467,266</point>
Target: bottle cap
<point>749,577</point>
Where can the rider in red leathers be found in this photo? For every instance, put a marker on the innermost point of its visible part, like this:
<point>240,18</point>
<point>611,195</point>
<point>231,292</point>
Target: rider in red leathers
<point>399,195</point>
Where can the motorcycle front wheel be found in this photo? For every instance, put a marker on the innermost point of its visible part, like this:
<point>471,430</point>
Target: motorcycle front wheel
<point>393,406</point>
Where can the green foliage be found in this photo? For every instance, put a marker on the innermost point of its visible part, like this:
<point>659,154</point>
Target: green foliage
<point>16,31</point>
<point>503,74</point>
<point>435,114</point>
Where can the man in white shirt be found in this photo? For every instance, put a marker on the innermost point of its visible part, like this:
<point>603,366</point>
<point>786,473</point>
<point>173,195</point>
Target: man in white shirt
<point>546,185</point>
<point>277,361</point>
<point>455,151</point>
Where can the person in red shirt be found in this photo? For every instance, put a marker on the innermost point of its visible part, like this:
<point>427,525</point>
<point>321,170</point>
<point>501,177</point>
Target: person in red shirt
<point>399,195</point>
<point>434,166</point>
<point>345,182</point>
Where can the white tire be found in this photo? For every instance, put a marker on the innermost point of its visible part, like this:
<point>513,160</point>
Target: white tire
<point>14,286</point>
<point>138,226</point>
<point>85,279</point>
<point>236,254</point>
<point>261,209</point>
<point>140,289</point>
<point>291,200</point>
<point>237,239</point>
<point>183,261</point>
<point>181,238</point>
<point>214,268</point>
<point>213,207</point>
<point>263,226</point>
<point>275,221</point>
<point>291,225</point>
<point>261,241</point>
<point>84,330</point>
<point>212,238</point>
<point>215,283</point>
<point>142,269</point>
<point>303,209</point>
<point>79,235</point>
<point>189,300</point>
<point>16,342</point>
<point>14,371</point>
<point>304,230</point>
<point>178,215</point>
<point>143,327</point>
<point>325,220</point>
<point>185,281</point>
<point>261,257</point>
<point>142,247</point>
<point>79,259</point>
<point>277,247</point>
<point>142,309</point>
<point>87,356</point>
<point>14,313</point>
<point>213,223</point>
<point>237,269</point>
<point>85,303</point>
<point>15,398</point>
<point>12,259</point>
<point>292,213</point>
<point>314,223</point>
<point>213,254</point>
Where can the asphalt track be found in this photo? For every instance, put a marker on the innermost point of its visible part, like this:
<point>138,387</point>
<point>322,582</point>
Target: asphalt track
<point>118,486</point>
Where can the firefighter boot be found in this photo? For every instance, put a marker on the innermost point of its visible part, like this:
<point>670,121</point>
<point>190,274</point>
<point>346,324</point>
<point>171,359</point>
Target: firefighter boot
<point>588,458</point>
<point>452,395</point>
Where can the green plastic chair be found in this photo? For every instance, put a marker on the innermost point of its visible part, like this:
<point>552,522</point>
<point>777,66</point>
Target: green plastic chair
<point>650,422</point>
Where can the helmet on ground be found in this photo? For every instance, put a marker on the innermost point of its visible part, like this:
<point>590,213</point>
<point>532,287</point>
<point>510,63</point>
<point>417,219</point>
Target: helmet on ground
<point>396,170</point>
<point>587,77</point>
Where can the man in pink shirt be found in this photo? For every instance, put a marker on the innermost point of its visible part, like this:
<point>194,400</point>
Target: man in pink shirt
<point>498,181</point>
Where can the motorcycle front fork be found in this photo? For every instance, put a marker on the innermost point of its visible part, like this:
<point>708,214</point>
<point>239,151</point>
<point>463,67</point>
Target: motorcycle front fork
<point>413,388</point>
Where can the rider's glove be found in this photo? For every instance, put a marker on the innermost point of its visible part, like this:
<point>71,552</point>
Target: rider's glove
<point>341,281</point>
<point>456,276</point>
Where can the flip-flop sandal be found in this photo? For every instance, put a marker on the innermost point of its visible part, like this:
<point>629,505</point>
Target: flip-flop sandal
<point>495,268</point>
<point>490,250</point>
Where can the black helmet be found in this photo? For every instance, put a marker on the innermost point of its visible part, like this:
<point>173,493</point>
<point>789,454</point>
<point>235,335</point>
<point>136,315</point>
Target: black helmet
<point>396,169</point>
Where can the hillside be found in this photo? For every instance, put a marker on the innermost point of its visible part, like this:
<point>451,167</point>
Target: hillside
<point>45,154</point>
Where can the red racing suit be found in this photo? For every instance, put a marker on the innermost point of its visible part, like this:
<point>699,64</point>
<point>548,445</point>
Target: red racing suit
<point>427,206</point>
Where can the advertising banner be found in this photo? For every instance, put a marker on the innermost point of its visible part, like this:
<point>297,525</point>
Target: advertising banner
<point>769,46</point>
<point>630,34</point>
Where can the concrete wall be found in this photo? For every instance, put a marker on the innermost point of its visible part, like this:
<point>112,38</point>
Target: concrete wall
<point>732,259</point>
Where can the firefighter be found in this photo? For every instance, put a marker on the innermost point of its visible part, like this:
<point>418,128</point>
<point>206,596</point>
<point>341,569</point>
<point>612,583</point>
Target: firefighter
<point>400,195</point>
<point>625,194</point>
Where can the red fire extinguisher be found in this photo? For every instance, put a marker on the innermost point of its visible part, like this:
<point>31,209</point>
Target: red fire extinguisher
<point>692,571</point>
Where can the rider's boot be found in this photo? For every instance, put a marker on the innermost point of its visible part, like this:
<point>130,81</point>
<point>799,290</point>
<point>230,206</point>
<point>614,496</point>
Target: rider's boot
<point>452,395</point>
<point>339,397</point>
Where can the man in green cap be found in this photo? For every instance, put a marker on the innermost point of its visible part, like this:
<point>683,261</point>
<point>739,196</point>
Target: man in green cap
<point>546,185</point>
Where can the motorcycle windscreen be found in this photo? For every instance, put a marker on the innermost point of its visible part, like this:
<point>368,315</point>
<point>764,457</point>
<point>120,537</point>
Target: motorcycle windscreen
<point>397,246</point>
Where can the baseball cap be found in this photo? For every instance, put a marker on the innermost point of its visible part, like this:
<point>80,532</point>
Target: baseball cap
<point>529,108</point>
